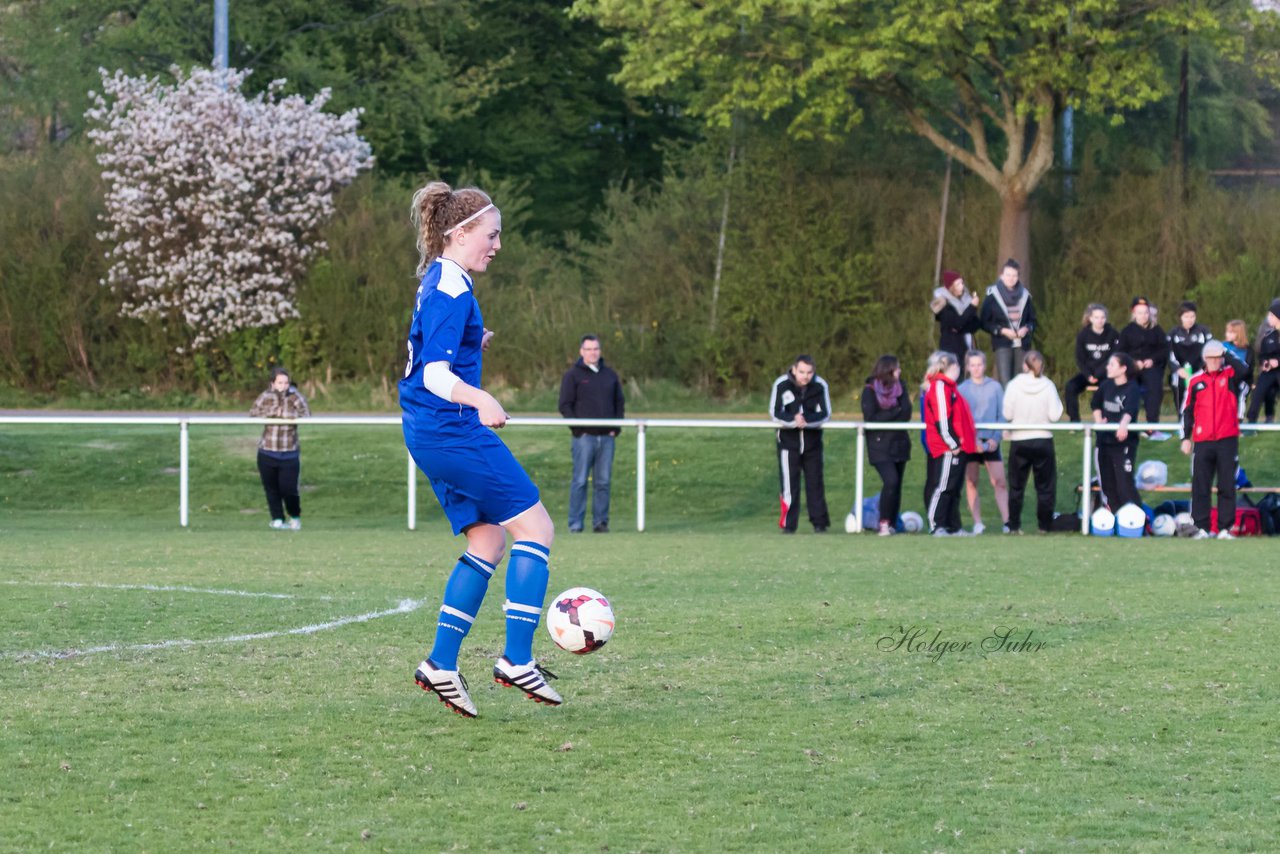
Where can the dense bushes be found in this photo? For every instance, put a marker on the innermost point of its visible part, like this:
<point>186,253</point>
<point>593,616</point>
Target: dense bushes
<point>824,254</point>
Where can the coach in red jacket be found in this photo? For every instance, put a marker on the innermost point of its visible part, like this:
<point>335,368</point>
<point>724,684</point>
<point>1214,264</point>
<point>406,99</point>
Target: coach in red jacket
<point>1211,434</point>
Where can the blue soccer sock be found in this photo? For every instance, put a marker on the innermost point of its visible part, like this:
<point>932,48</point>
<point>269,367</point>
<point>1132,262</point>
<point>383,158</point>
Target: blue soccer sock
<point>462,598</point>
<point>527,576</point>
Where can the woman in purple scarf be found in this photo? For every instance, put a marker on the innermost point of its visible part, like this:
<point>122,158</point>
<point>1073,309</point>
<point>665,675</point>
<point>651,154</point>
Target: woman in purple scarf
<point>884,398</point>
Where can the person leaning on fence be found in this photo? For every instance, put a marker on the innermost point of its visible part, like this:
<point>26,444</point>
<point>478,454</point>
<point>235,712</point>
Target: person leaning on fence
<point>1147,345</point>
<point>591,389</point>
<point>279,456</point>
<point>800,403</point>
<point>956,311</point>
<point>1211,436</point>
<point>1095,342</point>
<point>1268,369</point>
<point>885,399</point>
<point>1186,340</point>
<point>949,435</point>
<point>1032,399</point>
<point>1010,316</point>
<point>1116,402</point>
<point>986,403</point>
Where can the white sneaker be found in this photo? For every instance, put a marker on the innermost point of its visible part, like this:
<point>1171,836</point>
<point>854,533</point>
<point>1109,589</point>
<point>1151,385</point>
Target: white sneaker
<point>886,530</point>
<point>529,678</point>
<point>1224,534</point>
<point>295,524</point>
<point>962,533</point>
<point>448,685</point>
<point>978,528</point>
<point>1005,527</point>
<point>942,532</point>
<point>1202,534</point>
<point>278,524</point>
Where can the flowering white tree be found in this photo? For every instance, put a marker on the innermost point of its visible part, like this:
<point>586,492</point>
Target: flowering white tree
<point>215,201</point>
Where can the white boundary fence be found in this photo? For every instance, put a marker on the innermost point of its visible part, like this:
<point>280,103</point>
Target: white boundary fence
<point>640,425</point>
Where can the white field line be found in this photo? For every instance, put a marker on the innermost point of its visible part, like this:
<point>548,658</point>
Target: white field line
<point>163,588</point>
<point>406,606</point>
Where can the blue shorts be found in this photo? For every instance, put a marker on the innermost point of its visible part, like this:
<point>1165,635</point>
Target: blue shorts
<point>477,482</point>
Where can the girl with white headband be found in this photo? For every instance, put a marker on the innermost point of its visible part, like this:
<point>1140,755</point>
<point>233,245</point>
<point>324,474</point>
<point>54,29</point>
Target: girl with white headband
<point>449,423</point>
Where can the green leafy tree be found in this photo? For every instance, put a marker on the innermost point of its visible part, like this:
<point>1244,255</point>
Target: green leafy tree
<point>983,81</point>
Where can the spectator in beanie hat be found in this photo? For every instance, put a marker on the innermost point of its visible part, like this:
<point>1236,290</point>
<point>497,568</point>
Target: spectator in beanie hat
<point>955,309</point>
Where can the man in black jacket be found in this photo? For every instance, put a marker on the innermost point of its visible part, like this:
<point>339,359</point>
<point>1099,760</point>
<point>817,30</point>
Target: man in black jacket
<point>591,389</point>
<point>799,404</point>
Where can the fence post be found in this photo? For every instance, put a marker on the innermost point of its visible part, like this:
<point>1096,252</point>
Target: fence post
<point>184,472</point>
<point>413,493</point>
<point>858,454</point>
<point>1086,489</point>
<point>640,467</point>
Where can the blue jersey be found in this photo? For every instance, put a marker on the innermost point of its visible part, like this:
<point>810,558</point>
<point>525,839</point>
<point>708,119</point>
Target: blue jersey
<point>447,327</point>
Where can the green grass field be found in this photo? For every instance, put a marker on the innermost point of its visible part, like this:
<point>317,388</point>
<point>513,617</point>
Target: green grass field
<point>763,693</point>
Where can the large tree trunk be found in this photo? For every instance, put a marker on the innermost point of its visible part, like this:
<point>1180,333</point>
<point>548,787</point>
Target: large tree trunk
<point>1015,232</point>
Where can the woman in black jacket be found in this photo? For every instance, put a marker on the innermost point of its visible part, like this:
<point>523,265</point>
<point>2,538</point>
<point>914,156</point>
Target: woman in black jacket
<point>1096,341</point>
<point>956,311</point>
<point>884,398</point>
<point>1145,342</point>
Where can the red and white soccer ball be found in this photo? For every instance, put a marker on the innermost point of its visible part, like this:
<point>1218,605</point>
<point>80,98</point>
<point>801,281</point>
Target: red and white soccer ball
<point>580,620</point>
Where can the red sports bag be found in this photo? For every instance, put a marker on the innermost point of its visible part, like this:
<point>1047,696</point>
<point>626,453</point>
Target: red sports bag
<point>1248,522</point>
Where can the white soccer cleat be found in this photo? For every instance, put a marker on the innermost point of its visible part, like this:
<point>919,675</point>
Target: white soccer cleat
<point>1201,534</point>
<point>529,678</point>
<point>278,524</point>
<point>1224,534</point>
<point>295,524</point>
<point>448,685</point>
<point>978,528</point>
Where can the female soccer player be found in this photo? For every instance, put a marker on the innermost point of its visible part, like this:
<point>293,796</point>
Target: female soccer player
<point>448,427</point>
<point>1148,347</point>
<point>1116,402</point>
<point>1095,342</point>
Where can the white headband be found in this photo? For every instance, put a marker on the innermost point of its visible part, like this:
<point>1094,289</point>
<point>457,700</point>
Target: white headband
<point>474,216</point>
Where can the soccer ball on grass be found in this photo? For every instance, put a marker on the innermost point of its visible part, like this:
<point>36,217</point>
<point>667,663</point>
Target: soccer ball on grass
<point>580,620</point>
